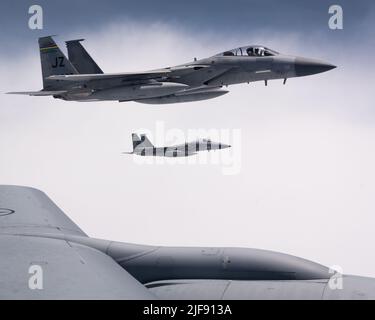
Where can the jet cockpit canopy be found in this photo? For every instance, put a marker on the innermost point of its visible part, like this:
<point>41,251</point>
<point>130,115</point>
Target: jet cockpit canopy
<point>250,51</point>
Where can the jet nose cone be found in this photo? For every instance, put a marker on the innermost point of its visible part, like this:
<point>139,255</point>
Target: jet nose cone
<point>305,67</point>
<point>225,146</point>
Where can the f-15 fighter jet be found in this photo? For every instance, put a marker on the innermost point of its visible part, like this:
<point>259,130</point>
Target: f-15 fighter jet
<point>45,255</point>
<point>79,78</point>
<point>143,147</point>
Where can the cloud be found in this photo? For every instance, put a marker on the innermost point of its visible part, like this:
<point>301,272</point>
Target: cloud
<point>307,180</point>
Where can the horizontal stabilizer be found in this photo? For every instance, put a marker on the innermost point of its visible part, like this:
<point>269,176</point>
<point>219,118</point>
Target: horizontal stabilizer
<point>39,93</point>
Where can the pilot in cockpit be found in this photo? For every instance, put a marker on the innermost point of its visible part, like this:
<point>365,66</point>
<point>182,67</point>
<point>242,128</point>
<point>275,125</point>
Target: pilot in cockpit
<point>255,51</point>
<point>250,52</point>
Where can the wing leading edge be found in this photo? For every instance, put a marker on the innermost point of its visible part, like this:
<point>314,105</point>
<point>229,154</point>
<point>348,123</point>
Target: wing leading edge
<point>30,210</point>
<point>40,93</point>
<point>35,265</point>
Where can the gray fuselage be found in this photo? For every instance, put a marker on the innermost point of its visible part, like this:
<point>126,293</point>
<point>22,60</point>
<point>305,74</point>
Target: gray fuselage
<point>182,150</point>
<point>198,80</point>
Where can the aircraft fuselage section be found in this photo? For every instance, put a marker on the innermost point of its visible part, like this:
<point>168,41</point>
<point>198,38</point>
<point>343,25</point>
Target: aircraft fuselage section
<point>224,71</point>
<point>183,150</point>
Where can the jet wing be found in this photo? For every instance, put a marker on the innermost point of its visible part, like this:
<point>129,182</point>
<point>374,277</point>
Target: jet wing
<point>27,210</point>
<point>131,76</point>
<point>39,93</point>
<point>34,265</point>
<point>110,76</point>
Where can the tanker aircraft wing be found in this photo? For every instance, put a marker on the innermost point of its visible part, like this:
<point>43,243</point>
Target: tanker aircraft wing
<point>37,261</point>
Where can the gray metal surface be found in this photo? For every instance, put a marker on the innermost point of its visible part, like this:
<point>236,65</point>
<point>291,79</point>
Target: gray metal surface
<point>239,290</point>
<point>35,232</point>
<point>353,288</point>
<point>32,233</point>
<point>221,263</point>
<point>31,209</point>
<point>70,271</point>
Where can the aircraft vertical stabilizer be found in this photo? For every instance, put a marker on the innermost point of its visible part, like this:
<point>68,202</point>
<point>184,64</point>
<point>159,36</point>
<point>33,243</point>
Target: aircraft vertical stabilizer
<point>81,59</point>
<point>53,62</point>
<point>145,141</point>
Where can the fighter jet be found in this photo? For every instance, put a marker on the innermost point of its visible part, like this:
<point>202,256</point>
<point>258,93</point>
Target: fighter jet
<point>45,255</point>
<point>142,146</point>
<point>81,79</point>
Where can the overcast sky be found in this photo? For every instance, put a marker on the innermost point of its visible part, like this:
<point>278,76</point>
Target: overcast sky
<point>307,152</point>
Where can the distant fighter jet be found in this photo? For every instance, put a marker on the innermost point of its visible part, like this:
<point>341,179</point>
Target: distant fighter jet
<point>45,255</point>
<point>81,79</point>
<point>143,147</point>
